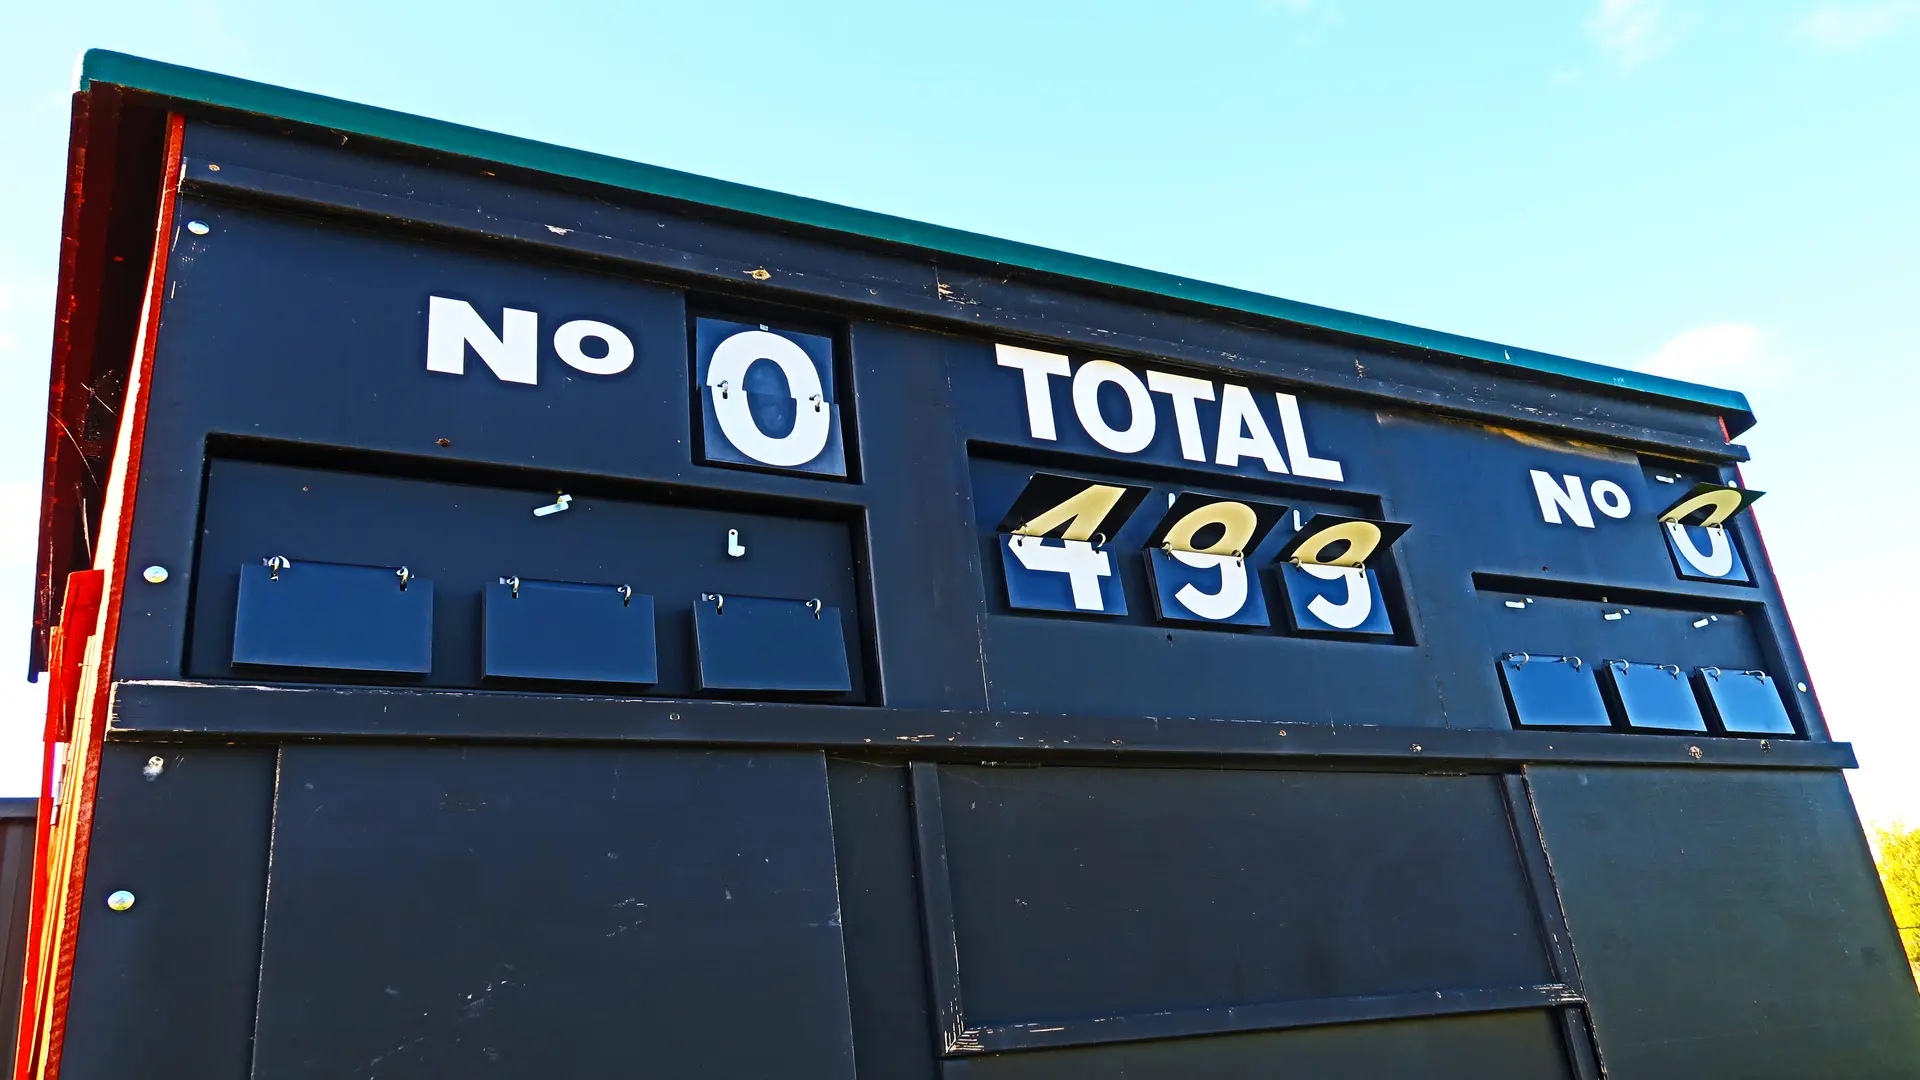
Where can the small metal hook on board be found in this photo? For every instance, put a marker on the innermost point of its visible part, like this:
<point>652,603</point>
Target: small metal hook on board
<point>405,575</point>
<point>815,606</point>
<point>719,602</point>
<point>275,565</point>
<point>626,595</point>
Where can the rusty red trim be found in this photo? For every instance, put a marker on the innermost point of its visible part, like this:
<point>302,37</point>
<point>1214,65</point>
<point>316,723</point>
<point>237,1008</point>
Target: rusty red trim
<point>80,617</point>
<point>80,791</point>
<point>91,163</point>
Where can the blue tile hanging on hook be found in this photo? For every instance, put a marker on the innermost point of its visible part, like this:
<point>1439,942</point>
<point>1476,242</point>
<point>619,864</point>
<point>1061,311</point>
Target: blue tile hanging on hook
<point>754,643</point>
<point>333,616</point>
<point>569,631</point>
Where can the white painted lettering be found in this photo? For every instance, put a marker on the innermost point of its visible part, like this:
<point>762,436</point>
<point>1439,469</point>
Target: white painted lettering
<point>1086,405</point>
<point>1295,432</point>
<point>452,326</point>
<point>1035,368</point>
<point>1243,431</point>
<point>1185,390</point>
<point>1611,498</point>
<point>1553,499</point>
<point>568,339</point>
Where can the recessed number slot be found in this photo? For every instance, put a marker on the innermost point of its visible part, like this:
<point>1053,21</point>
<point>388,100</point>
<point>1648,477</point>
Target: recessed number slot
<point>334,616</point>
<point>569,631</point>
<point>1552,691</point>
<point>1651,697</point>
<point>1744,702</point>
<point>753,643</point>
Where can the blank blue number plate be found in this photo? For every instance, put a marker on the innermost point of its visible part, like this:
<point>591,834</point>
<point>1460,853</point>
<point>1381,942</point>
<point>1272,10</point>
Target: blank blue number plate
<point>567,631</point>
<point>1745,702</point>
<point>749,643</point>
<point>1552,691</point>
<point>328,615</point>
<point>1652,697</point>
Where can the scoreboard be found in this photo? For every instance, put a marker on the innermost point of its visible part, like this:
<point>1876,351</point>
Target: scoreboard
<point>511,612</point>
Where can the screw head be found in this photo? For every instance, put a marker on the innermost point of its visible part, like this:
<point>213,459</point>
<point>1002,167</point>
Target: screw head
<point>154,574</point>
<point>1802,687</point>
<point>198,228</point>
<point>120,900</point>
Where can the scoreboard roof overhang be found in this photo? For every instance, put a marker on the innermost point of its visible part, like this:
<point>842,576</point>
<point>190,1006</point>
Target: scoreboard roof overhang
<point>111,184</point>
<point>189,85</point>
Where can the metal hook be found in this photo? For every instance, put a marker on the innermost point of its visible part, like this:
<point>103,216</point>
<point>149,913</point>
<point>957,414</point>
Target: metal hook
<point>275,565</point>
<point>1099,540</point>
<point>816,606</point>
<point>1671,669</point>
<point>515,583</point>
<point>626,595</point>
<point>719,602</point>
<point>1523,658</point>
<point>1713,673</point>
<point>723,388</point>
<point>405,576</point>
<point>818,405</point>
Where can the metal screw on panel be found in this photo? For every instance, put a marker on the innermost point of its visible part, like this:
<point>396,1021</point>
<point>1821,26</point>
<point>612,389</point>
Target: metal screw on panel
<point>120,900</point>
<point>1802,687</point>
<point>155,766</point>
<point>198,228</point>
<point>154,574</point>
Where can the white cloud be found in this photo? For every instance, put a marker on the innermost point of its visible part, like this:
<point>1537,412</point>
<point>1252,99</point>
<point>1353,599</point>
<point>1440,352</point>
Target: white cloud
<point>1630,31</point>
<point>1721,354</point>
<point>1836,27</point>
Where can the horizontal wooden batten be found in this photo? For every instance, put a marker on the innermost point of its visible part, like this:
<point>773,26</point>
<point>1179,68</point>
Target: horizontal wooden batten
<point>169,708</point>
<point>1267,1016</point>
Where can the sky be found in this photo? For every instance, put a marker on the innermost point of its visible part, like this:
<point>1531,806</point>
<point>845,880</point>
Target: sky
<point>1721,192</point>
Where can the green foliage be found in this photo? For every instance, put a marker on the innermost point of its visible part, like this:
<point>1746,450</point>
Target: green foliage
<point>1899,859</point>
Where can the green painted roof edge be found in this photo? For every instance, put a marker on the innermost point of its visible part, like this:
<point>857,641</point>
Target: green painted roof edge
<point>243,95</point>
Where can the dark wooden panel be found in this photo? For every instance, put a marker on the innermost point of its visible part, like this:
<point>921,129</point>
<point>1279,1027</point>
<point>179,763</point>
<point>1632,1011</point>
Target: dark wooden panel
<point>166,988</point>
<point>1728,924</point>
<point>1084,893</point>
<point>538,913</point>
<point>1501,1046</point>
<point>893,1029</point>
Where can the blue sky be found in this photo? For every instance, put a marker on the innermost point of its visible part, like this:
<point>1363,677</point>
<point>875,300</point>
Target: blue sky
<point>1723,192</point>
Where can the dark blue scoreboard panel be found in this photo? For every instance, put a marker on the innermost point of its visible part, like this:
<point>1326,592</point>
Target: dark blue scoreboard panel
<point>584,656</point>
